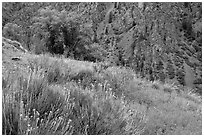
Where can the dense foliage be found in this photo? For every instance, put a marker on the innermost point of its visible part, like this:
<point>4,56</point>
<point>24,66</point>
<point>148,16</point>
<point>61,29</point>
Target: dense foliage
<point>160,41</point>
<point>97,68</point>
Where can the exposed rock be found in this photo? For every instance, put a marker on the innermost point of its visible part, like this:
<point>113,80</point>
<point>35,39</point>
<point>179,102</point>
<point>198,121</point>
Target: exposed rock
<point>15,44</point>
<point>144,44</point>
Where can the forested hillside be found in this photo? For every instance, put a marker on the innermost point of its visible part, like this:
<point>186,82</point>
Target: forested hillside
<point>102,68</point>
<point>160,41</point>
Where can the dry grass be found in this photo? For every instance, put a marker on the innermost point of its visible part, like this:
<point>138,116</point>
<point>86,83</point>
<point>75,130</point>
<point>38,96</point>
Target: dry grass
<point>56,99</point>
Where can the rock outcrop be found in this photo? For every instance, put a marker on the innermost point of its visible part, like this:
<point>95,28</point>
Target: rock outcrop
<point>14,44</point>
<point>151,47</point>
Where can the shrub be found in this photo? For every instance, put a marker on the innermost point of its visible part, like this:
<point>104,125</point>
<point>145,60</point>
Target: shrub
<point>155,85</point>
<point>12,31</point>
<point>168,90</point>
<point>30,93</point>
<point>118,78</point>
<point>138,94</point>
<point>39,108</point>
<point>55,71</point>
<point>109,102</point>
<point>124,119</point>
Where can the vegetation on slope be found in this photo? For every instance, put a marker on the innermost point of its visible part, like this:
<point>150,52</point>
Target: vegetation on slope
<point>102,68</point>
<point>160,41</point>
<point>51,96</point>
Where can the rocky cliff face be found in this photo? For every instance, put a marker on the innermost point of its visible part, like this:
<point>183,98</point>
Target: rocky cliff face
<point>152,40</point>
<point>161,41</point>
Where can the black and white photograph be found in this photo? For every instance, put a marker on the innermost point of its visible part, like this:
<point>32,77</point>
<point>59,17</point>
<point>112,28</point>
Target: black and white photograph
<point>101,68</point>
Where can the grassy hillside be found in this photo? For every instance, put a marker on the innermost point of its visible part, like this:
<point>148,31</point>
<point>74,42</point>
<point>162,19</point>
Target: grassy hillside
<point>44,95</point>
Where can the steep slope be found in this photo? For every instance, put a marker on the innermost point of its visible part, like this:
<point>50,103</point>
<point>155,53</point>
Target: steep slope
<point>160,41</point>
<point>115,93</point>
<point>158,45</point>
